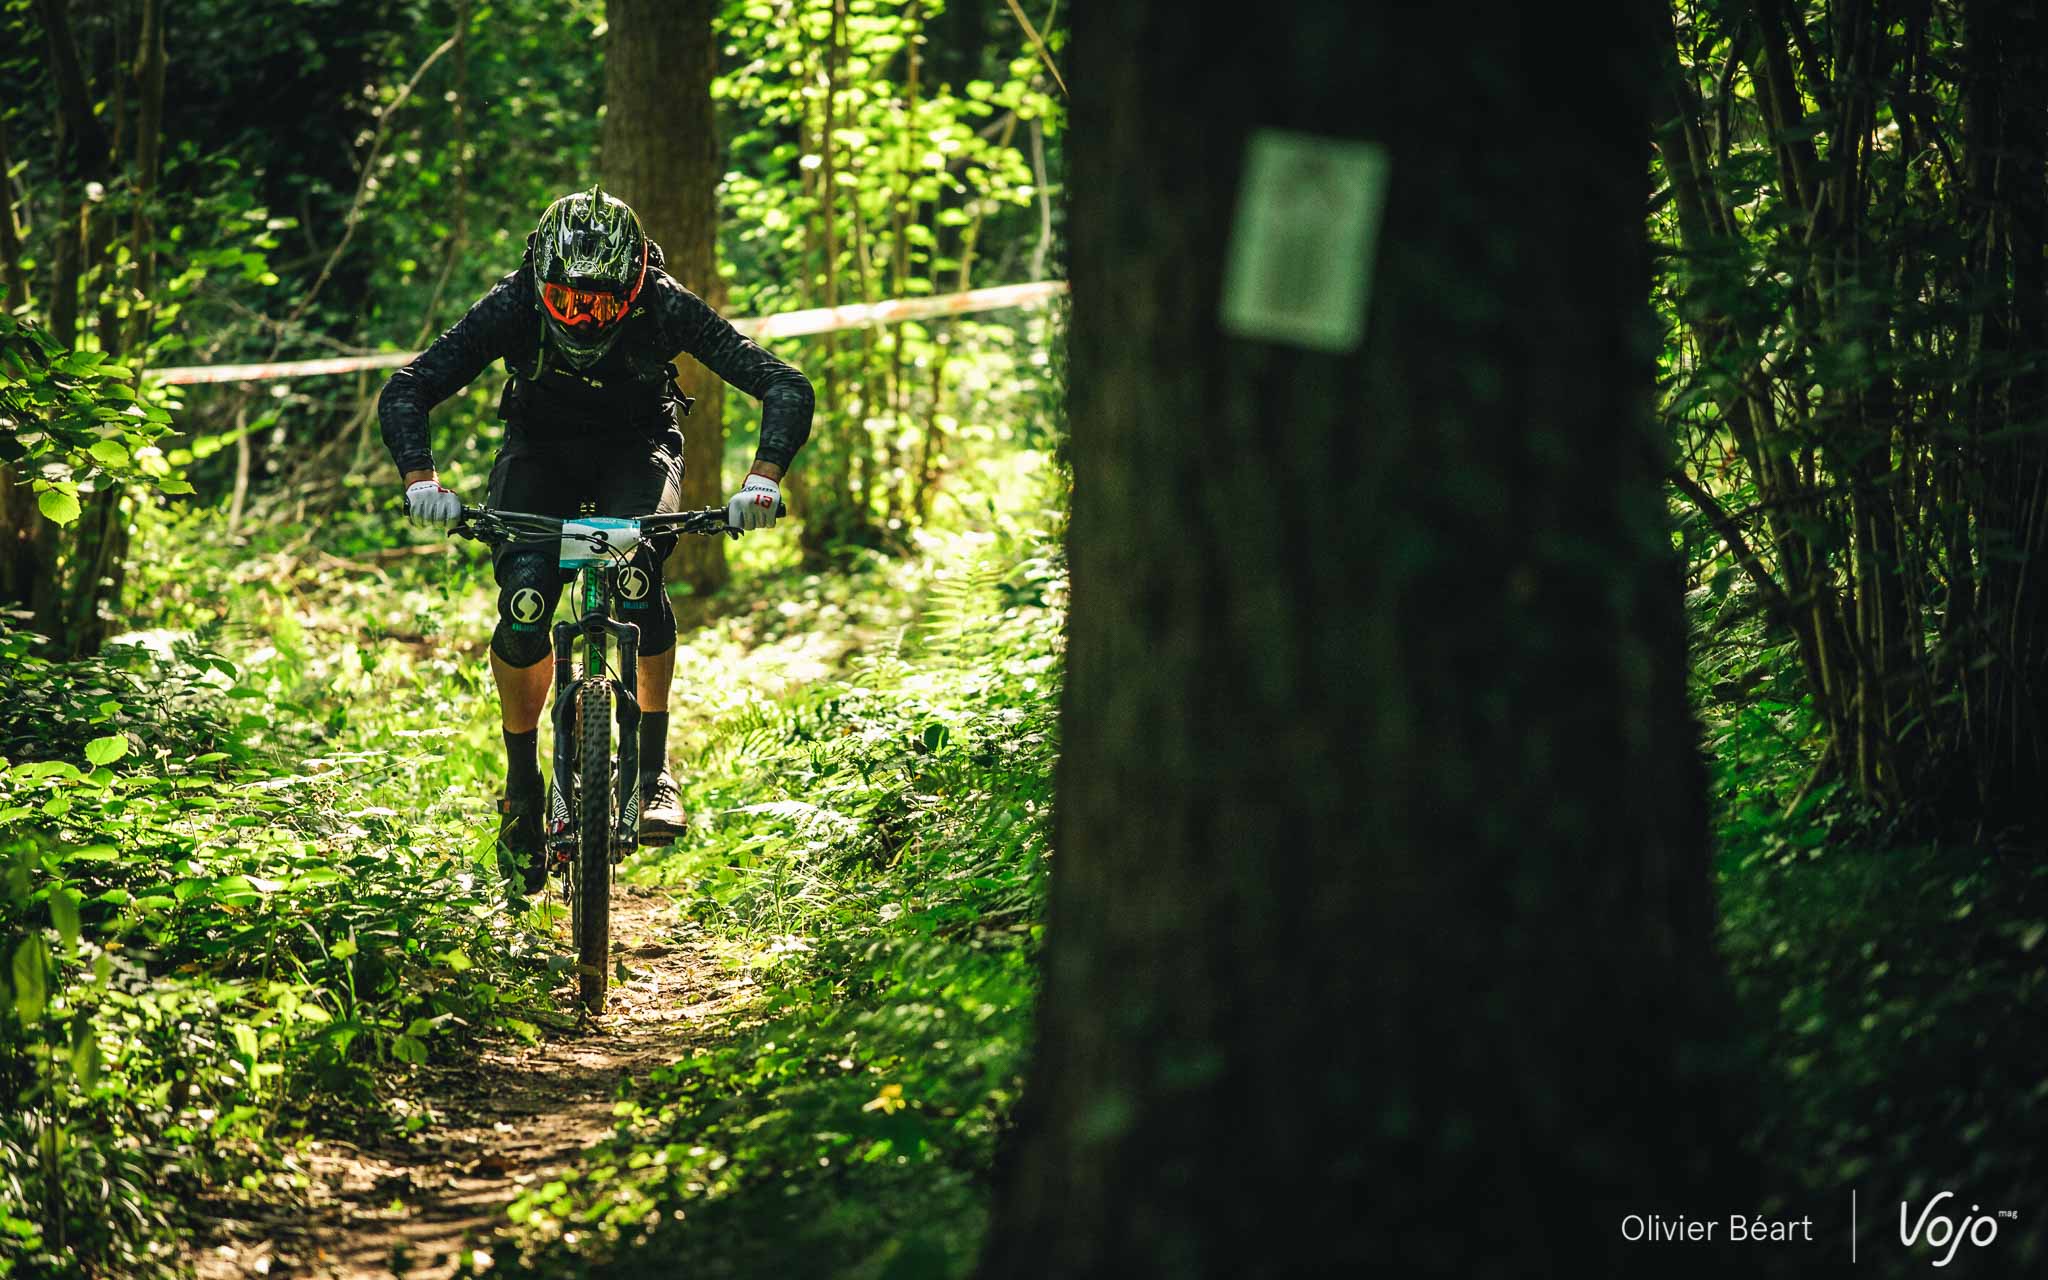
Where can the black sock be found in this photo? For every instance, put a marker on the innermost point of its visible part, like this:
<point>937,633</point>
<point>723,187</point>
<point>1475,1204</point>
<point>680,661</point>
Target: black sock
<point>653,744</point>
<point>522,762</point>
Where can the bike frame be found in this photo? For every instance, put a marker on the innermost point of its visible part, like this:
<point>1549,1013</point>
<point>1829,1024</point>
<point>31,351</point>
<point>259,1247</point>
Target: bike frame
<point>596,588</point>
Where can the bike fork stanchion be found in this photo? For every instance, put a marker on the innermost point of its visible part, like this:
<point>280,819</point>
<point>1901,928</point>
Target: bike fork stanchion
<point>628,810</point>
<point>559,825</point>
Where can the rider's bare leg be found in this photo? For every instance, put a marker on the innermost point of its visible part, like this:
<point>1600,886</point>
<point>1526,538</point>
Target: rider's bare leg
<point>523,691</point>
<point>656,674</point>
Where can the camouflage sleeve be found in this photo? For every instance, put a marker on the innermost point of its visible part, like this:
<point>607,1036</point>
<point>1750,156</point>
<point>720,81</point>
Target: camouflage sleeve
<point>783,390</point>
<point>454,360</point>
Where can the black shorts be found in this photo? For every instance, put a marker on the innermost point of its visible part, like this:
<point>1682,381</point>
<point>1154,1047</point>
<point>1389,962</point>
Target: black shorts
<point>632,477</point>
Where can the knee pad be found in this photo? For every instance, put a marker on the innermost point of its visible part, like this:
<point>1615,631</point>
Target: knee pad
<point>529,584</point>
<point>643,601</point>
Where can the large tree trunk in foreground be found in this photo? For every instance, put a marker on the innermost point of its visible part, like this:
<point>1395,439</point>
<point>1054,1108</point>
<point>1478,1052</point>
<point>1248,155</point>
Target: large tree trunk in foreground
<point>78,589</point>
<point>1381,918</point>
<point>661,155</point>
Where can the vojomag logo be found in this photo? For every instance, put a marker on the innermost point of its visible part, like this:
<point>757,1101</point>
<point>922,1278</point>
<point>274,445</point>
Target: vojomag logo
<point>1943,1234</point>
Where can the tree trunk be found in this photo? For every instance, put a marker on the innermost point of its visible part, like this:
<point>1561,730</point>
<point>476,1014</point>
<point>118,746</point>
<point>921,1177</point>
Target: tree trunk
<point>905,213</point>
<point>27,549</point>
<point>18,515</point>
<point>13,284</point>
<point>1381,923</point>
<point>2007,121</point>
<point>662,156</point>
<point>82,159</point>
<point>80,570</point>
<point>149,78</point>
<point>832,518</point>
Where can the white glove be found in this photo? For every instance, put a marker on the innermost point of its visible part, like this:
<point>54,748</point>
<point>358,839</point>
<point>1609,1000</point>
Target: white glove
<point>753,507</point>
<point>427,502</point>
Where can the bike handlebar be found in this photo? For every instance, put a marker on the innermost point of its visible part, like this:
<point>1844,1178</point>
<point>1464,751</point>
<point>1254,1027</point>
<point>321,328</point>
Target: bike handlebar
<point>488,525</point>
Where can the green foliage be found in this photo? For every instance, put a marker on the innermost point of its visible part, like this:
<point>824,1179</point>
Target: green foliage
<point>1885,987</point>
<point>894,182</point>
<point>245,846</point>
<point>1854,372</point>
<point>876,867</point>
<point>228,916</point>
<point>69,421</point>
<point>1890,992</point>
<point>126,695</point>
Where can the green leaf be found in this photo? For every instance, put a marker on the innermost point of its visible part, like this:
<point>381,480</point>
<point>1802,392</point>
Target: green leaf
<point>108,749</point>
<point>109,453</point>
<point>85,1061</point>
<point>409,1049</point>
<point>64,914</point>
<point>58,506</point>
<point>238,891</point>
<point>173,485</point>
<point>31,979</point>
<point>47,769</point>
<point>526,1031</point>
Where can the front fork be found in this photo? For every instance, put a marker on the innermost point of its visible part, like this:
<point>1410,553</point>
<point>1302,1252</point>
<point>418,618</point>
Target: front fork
<point>596,625</point>
<point>626,811</point>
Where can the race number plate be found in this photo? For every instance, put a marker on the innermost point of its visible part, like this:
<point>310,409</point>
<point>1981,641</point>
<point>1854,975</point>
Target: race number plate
<point>584,540</point>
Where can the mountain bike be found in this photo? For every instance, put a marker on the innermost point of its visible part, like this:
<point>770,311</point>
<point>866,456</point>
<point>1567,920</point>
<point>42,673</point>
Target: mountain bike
<point>593,802</point>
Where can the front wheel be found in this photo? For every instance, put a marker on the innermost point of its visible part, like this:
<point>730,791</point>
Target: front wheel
<point>593,879</point>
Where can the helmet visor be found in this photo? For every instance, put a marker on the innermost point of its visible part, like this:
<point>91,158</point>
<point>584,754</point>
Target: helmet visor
<point>587,309</point>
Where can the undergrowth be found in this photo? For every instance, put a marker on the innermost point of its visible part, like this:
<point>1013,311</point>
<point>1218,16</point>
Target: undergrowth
<point>244,894</point>
<point>1889,987</point>
<point>874,852</point>
<point>248,886</point>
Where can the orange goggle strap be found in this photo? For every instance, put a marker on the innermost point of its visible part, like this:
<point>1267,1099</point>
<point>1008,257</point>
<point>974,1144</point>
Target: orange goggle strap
<point>594,294</point>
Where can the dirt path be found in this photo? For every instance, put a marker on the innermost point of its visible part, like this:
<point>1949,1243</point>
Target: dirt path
<point>510,1118</point>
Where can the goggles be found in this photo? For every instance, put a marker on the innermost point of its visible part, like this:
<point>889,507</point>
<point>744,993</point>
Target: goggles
<point>598,308</point>
<point>579,307</point>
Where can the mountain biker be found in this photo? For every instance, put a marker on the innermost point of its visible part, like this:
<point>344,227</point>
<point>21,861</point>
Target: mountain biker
<point>587,326</point>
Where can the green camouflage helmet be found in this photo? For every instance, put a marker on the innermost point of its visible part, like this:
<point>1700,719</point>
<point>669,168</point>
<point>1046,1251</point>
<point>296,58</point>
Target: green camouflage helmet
<point>589,261</point>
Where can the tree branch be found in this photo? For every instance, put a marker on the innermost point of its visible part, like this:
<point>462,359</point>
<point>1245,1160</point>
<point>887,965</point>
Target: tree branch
<point>1038,43</point>
<point>1717,515</point>
<point>1785,111</point>
<point>355,209</point>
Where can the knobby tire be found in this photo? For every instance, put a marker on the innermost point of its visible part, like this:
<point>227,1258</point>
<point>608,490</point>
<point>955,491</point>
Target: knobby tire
<point>594,844</point>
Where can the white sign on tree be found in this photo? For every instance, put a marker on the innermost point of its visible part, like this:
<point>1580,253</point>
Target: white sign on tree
<point>1304,240</point>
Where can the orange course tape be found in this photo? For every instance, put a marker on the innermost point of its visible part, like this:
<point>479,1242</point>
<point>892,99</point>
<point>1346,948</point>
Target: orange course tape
<point>788,324</point>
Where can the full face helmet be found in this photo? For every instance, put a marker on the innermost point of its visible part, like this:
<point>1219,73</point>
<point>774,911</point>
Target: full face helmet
<point>589,261</point>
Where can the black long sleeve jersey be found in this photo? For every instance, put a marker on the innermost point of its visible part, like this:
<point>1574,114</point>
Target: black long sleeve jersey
<point>624,394</point>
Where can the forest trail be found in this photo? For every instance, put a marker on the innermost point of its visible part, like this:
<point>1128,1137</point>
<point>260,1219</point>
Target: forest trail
<point>506,1117</point>
<point>504,1120</point>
